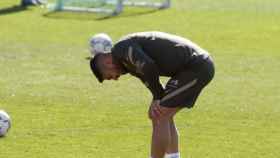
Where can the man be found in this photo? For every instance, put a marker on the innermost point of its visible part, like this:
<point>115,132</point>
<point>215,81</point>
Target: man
<point>147,56</point>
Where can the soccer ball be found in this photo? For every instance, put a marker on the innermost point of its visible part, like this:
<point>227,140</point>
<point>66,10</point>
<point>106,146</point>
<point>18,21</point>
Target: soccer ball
<point>5,123</point>
<point>100,43</point>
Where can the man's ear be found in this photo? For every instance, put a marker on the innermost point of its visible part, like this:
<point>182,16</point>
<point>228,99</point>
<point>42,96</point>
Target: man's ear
<point>109,59</point>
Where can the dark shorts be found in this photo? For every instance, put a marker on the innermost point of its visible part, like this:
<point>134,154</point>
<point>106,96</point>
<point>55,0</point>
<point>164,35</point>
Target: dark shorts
<point>183,89</point>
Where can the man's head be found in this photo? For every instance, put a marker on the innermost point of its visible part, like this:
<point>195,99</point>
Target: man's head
<point>104,68</point>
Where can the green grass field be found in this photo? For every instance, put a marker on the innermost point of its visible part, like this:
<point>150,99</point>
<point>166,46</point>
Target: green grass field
<point>59,109</point>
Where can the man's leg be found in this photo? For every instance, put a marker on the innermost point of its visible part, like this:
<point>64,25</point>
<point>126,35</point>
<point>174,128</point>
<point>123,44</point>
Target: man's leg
<point>173,146</point>
<point>174,143</point>
<point>161,136</point>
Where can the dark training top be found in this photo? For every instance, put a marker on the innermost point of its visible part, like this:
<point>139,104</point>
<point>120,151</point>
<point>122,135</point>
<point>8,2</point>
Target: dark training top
<point>148,55</point>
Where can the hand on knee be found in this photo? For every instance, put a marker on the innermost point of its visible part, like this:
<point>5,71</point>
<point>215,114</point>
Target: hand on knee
<point>159,112</point>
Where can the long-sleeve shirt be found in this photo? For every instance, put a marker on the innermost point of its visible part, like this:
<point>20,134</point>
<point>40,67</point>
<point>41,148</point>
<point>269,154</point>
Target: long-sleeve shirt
<point>149,55</point>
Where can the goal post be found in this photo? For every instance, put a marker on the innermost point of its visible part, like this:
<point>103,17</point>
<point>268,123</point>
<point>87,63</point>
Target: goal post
<point>105,6</point>
<point>98,6</point>
<point>158,4</point>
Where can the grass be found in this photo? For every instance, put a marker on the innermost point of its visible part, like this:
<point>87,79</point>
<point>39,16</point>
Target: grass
<point>59,109</point>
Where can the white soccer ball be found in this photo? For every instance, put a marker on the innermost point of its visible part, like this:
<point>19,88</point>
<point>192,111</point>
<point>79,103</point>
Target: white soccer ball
<point>100,43</point>
<point>5,123</point>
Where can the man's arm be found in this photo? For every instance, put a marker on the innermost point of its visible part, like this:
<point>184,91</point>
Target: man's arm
<point>134,59</point>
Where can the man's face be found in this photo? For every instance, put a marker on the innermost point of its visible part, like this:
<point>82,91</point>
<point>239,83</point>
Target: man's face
<point>111,70</point>
<point>110,74</point>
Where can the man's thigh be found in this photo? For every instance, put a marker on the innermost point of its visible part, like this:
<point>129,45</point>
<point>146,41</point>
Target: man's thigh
<point>183,89</point>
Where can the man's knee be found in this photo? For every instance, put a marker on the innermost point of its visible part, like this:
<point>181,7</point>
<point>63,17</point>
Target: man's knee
<point>165,114</point>
<point>162,119</point>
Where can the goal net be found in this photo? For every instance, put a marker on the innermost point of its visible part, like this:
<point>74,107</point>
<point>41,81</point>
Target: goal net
<point>105,6</point>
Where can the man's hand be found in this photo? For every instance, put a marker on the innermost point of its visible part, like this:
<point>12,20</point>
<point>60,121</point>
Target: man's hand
<point>156,111</point>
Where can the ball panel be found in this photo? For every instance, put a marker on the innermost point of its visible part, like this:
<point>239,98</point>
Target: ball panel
<point>5,123</point>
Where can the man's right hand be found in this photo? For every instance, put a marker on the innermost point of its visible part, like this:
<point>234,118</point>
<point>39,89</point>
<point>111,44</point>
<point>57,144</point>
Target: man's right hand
<point>155,110</point>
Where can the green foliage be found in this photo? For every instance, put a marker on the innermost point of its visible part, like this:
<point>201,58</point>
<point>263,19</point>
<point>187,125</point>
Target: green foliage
<point>59,109</point>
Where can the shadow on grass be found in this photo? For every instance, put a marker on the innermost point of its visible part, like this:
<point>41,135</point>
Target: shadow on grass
<point>12,9</point>
<point>98,17</point>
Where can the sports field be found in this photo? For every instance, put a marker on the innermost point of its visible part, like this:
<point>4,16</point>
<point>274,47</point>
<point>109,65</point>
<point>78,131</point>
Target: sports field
<point>59,109</point>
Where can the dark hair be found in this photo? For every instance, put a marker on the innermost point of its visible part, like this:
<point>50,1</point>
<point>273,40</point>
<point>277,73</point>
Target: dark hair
<point>95,68</point>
